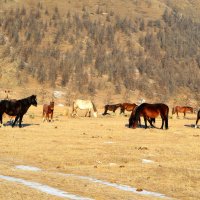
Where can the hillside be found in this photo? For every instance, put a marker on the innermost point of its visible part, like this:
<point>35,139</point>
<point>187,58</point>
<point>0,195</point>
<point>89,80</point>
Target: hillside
<point>113,50</point>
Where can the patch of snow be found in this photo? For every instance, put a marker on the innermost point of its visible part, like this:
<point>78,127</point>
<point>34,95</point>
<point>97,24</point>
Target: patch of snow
<point>28,168</point>
<point>118,186</point>
<point>109,142</point>
<point>61,105</point>
<point>145,161</point>
<point>43,188</point>
<point>58,94</point>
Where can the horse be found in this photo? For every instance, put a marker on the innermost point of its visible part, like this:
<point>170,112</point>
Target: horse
<point>198,117</point>
<point>127,107</point>
<point>84,104</point>
<point>17,108</point>
<point>150,111</point>
<point>150,120</point>
<point>182,109</point>
<point>111,108</point>
<point>48,111</point>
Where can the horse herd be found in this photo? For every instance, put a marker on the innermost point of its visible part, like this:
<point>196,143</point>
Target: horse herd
<point>149,112</point>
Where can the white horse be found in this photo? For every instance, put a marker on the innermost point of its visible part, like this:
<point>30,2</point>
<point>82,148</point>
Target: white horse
<point>83,105</point>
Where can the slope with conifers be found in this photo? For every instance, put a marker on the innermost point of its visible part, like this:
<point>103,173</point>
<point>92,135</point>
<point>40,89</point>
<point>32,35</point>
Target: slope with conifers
<point>121,48</point>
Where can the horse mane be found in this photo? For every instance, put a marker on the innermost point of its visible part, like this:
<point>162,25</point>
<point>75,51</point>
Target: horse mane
<point>137,111</point>
<point>94,107</point>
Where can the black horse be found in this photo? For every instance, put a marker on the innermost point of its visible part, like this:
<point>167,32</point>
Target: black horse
<point>111,108</point>
<point>16,108</point>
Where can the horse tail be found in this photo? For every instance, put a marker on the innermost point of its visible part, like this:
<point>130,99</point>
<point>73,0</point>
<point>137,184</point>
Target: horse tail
<point>94,107</point>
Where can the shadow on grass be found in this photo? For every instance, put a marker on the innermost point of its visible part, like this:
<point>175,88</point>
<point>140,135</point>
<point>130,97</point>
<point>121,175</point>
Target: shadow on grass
<point>191,125</point>
<point>142,126</point>
<point>23,125</point>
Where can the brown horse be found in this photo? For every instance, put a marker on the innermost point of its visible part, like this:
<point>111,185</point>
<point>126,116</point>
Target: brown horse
<point>182,109</point>
<point>111,108</point>
<point>150,111</point>
<point>127,107</point>
<point>198,117</point>
<point>150,120</point>
<point>48,111</point>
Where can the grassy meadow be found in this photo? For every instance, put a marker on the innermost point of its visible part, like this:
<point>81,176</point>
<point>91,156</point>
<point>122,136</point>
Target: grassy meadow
<point>103,148</point>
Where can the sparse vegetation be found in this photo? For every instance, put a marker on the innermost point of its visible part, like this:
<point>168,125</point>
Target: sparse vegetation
<point>82,49</point>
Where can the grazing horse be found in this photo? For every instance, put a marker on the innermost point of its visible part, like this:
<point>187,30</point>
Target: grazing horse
<point>150,111</point>
<point>111,108</point>
<point>84,105</point>
<point>182,109</point>
<point>17,108</point>
<point>48,111</point>
<point>198,117</point>
<point>150,120</point>
<point>127,107</point>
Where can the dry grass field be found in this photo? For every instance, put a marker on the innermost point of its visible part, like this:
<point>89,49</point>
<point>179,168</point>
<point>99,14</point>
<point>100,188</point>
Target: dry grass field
<point>98,158</point>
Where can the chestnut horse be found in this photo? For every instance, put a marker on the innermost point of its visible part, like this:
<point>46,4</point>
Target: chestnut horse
<point>127,107</point>
<point>150,120</point>
<point>198,117</point>
<point>48,112</point>
<point>182,109</point>
<point>150,111</point>
<point>111,108</point>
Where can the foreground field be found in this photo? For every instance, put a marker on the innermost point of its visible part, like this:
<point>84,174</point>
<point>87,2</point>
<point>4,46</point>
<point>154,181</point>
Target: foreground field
<point>98,158</point>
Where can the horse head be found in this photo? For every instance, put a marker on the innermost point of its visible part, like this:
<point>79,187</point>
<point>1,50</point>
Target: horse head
<point>132,120</point>
<point>33,100</point>
<point>51,105</point>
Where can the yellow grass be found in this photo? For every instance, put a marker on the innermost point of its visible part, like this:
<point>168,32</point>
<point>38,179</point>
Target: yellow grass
<point>103,148</point>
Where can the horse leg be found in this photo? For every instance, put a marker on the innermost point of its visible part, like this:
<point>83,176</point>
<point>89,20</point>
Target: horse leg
<point>16,118</point>
<point>196,122</point>
<point>150,122</point>
<point>114,110</point>
<point>48,117</point>
<point>122,110</point>
<point>74,112</point>
<point>166,123</point>
<point>20,121</point>
<point>162,122</point>
<point>89,112</point>
<point>1,116</point>
<point>51,116</point>
<point>139,120</point>
<point>184,114</point>
<point>105,111</point>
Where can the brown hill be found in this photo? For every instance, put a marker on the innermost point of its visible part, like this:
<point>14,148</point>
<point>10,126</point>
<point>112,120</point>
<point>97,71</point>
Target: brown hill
<point>109,50</point>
